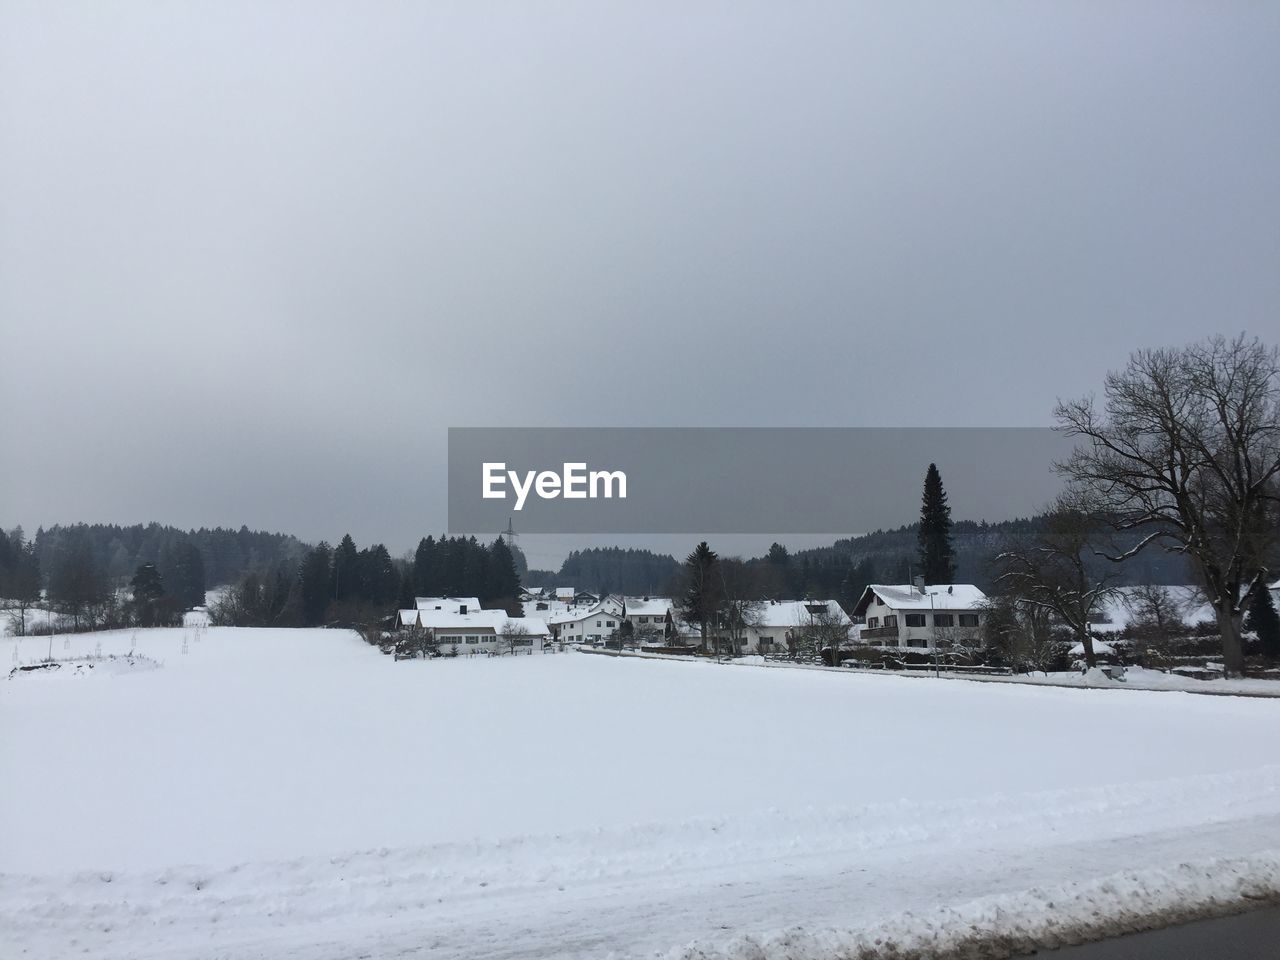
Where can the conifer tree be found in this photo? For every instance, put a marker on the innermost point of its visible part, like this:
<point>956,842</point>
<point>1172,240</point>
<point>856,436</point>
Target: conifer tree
<point>22,583</point>
<point>186,576</point>
<point>1264,621</point>
<point>346,573</point>
<point>424,568</point>
<point>148,594</point>
<point>937,556</point>
<point>502,580</point>
<point>702,593</point>
<point>314,581</point>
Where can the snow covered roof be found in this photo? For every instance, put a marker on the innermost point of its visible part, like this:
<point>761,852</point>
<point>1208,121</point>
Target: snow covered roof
<point>648,606</point>
<point>608,607</point>
<point>938,596</point>
<point>564,593</point>
<point>495,620</point>
<point>407,618</point>
<point>796,613</point>
<point>1118,610</point>
<point>447,603</point>
<point>1100,648</point>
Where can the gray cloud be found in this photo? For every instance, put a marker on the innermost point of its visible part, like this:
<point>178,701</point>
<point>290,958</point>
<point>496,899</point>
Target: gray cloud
<point>256,258</point>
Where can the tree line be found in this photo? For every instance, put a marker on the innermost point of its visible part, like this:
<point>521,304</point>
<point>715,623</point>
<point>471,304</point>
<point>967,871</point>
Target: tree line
<point>64,570</point>
<point>117,551</point>
<point>363,588</point>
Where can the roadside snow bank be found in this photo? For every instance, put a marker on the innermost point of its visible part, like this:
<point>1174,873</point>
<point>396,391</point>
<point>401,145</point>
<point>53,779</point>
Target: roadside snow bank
<point>1011,925</point>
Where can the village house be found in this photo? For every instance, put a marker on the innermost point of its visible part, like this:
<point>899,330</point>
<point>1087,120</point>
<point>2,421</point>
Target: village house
<point>593,624</point>
<point>461,629</point>
<point>914,615</point>
<point>780,625</point>
<point>650,617</point>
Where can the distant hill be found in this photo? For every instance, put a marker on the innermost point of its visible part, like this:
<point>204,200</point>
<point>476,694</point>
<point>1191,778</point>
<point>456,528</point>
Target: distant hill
<point>893,554</point>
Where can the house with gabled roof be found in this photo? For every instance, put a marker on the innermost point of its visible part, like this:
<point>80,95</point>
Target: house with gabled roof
<point>461,629</point>
<point>915,615</point>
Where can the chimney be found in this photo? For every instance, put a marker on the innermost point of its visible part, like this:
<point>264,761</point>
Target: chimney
<point>462,608</point>
<point>919,585</point>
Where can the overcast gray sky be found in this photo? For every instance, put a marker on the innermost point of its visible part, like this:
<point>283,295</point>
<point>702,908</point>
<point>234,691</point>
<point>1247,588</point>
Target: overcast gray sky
<point>256,257</point>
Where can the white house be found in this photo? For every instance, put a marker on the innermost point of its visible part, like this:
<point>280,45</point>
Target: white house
<point>588,624</point>
<point>649,616</point>
<point>778,624</point>
<point>904,615</point>
<point>456,604</point>
<point>409,618</point>
<point>480,631</point>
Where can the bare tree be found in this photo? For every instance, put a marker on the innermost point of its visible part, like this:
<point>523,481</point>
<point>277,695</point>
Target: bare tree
<point>514,634</point>
<point>740,606</point>
<point>413,641</point>
<point>1186,451</point>
<point>1051,569</point>
<point>820,628</point>
<point>1156,610</point>
<point>1019,633</point>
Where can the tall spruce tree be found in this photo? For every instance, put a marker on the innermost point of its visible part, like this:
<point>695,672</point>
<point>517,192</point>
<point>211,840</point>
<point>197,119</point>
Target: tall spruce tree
<point>702,590</point>
<point>148,595</point>
<point>937,556</point>
<point>186,575</point>
<point>346,569</point>
<point>502,581</point>
<point>315,577</point>
<point>424,568</point>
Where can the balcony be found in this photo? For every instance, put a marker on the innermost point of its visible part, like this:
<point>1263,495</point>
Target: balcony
<point>878,633</point>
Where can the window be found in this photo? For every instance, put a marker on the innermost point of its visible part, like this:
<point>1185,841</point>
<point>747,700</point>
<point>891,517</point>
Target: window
<point>915,619</point>
<point>597,623</point>
<point>873,621</point>
<point>891,621</point>
<point>968,619</point>
<point>609,623</point>
<point>917,642</point>
<point>944,620</point>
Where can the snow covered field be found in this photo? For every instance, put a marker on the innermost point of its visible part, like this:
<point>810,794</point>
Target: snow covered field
<point>293,793</point>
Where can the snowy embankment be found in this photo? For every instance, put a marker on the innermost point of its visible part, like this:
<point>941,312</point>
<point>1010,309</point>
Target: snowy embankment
<point>296,794</point>
<point>1020,924</point>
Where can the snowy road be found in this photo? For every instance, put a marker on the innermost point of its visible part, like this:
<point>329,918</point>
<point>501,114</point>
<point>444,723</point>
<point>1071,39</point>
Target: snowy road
<point>349,806</point>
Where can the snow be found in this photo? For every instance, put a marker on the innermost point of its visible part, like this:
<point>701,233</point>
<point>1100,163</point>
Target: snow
<point>1100,648</point>
<point>1117,610</point>
<point>1141,678</point>
<point>648,606</point>
<point>296,794</point>
<point>1012,925</point>
<point>795,613</point>
<point>941,596</point>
